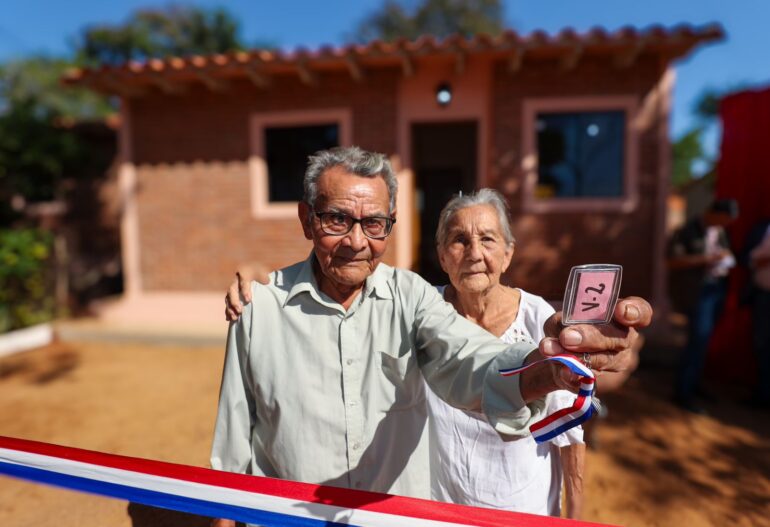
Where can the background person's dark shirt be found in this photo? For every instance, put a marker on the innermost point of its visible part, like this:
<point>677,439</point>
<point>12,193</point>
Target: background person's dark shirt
<point>684,284</point>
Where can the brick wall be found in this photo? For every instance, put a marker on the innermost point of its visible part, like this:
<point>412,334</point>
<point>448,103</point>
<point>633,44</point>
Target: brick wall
<point>194,207</point>
<point>549,244</point>
<point>191,151</point>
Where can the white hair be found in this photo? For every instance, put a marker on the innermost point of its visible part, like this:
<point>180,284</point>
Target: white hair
<point>484,196</point>
<point>356,161</point>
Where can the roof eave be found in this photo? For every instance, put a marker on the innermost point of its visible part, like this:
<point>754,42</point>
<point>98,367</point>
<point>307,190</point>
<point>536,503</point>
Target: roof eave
<point>173,75</point>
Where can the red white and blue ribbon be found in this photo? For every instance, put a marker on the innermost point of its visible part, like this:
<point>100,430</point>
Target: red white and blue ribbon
<point>562,420</point>
<point>251,499</point>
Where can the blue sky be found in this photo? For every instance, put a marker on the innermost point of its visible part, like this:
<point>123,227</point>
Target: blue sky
<point>49,26</point>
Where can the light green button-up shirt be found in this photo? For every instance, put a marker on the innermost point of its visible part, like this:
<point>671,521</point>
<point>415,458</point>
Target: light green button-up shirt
<point>311,392</point>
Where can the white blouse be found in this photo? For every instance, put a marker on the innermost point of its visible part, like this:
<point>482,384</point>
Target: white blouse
<point>472,465</point>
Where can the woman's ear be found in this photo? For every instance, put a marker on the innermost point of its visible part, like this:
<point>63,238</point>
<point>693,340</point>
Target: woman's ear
<point>508,256</point>
<point>441,258</point>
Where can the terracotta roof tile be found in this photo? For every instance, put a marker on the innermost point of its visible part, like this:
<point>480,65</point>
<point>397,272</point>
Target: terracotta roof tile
<point>675,42</point>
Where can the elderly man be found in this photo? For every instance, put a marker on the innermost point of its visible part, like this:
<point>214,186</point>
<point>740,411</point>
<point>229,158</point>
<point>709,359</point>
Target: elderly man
<point>322,373</point>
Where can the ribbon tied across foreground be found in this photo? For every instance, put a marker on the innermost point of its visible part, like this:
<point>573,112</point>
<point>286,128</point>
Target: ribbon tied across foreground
<point>265,501</point>
<point>562,420</point>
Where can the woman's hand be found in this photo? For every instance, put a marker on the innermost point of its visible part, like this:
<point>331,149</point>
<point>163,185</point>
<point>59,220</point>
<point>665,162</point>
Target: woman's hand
<point>239,292</point>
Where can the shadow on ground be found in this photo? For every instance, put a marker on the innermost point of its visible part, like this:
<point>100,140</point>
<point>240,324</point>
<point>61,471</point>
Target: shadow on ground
<point>146,516</point>
<point>61,362</point>
<point>705,457</point>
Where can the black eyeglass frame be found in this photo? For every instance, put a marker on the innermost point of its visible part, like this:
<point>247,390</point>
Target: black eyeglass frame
<point>389,221</point>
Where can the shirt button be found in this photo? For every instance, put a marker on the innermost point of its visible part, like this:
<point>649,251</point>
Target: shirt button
<point>349,362</point>
<point>353,403</point>
<point>356,446</point>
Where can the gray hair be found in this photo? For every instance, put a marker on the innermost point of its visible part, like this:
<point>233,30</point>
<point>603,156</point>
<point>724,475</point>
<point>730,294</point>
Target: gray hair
<point>356,161</point>
<point>484,196</point>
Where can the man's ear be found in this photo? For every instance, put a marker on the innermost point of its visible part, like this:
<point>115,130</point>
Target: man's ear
<point>303,213</point>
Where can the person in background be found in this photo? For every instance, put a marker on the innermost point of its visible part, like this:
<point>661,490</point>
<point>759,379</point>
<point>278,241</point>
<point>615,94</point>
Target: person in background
<point>699,260</point>
<point>757,251</point>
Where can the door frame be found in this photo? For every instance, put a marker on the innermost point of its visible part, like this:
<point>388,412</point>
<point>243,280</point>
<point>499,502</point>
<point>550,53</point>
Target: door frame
<point>418,216</point>
<point>472,101</point>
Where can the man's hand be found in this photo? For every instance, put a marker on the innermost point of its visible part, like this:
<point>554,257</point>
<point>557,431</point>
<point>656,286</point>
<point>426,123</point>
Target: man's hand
<point>241,288</point>
<point>610,347</point>
<point>219,522</point>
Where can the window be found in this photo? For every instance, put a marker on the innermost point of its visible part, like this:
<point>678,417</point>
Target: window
<point>580,154</point>
<point>287,150</point>
<point>280,145</point>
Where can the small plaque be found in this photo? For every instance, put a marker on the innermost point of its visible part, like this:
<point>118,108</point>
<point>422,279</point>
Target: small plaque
<point>591,294</point>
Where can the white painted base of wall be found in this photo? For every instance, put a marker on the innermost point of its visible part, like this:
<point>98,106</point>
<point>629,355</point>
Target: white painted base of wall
<point>25,339</point>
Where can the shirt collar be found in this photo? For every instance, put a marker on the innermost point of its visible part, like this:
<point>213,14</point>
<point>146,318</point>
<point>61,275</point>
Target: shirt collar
<point>376,284</point>
<point>305,282</point>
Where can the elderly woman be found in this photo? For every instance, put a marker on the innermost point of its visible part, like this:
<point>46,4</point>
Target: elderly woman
<point>470,464</point>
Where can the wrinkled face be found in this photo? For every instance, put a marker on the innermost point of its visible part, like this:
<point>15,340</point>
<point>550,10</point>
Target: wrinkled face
<point>475,253</point>
<point>347,260</point>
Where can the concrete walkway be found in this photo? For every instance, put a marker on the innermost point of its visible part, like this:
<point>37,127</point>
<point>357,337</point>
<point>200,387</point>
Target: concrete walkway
<point>97,330</point>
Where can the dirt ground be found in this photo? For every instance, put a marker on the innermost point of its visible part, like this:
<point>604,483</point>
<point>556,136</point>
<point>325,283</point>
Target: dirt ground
<point>655,465</point>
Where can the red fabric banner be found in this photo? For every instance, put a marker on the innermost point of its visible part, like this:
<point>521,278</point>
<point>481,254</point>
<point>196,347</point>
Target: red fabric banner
<point>743,173</point>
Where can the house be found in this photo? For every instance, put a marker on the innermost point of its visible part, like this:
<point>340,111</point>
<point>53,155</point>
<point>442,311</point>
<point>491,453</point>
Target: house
<point>572,128</point>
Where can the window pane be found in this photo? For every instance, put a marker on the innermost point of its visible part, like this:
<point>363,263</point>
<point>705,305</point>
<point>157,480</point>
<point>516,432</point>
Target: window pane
<point>287,151</point>
<point>580,154</point>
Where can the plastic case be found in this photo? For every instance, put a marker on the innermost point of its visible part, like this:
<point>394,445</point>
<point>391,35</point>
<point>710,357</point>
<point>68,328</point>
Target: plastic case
<point>591,294</point>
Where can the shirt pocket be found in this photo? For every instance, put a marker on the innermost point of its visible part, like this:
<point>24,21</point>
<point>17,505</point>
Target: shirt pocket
<point>402,376</point>
<point>397,369</point>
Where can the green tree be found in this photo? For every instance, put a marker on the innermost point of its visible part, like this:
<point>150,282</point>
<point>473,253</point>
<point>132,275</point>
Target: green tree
<point>38,151</point>
<point>706,106</point>
<point>38,79</point>
<point>691,160</point>
<point>25,280</point>
<point>148,33</point>
<point>688,153</point>
<point>397,19</point>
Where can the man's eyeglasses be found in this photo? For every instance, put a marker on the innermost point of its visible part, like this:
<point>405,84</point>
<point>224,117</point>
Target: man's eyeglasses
<point>339,224</point>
